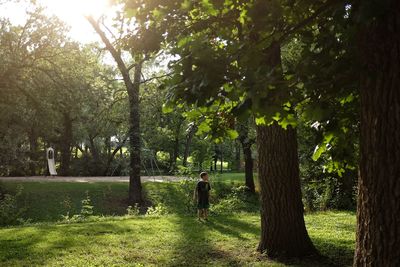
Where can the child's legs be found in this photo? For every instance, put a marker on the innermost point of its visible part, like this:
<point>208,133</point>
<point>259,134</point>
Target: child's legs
<point>205,212</point>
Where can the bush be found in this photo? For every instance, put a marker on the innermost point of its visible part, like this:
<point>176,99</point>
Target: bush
<point>87,207</point>
<point>186,187</point>
<point>238,200</point>
<point>158,210</point>
<point>85,213</point>
<point>10,210</point>
<point>133,211</point>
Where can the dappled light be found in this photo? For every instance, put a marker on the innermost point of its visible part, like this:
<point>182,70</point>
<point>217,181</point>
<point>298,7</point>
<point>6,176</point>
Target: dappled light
<point>199,133</point>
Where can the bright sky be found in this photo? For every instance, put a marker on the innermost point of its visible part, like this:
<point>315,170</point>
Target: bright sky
<point>70,11</point>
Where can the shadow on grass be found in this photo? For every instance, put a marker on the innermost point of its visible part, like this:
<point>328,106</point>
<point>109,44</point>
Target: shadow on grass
<point>38,245</point>
<point>196,244</point>
<point>232,227</point>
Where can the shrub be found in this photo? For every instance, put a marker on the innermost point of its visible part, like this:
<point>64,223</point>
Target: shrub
<point>239,199</point>
<point>158,210</point>
<point>186,188</point>
<point>85,213</point>
<point>87,207</point>
<point>133,211</point>
<point>10,210</point>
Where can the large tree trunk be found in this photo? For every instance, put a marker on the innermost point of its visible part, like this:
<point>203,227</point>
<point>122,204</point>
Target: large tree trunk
<point>378,211</point>
<point>283,231</point>
<point>66,142</point>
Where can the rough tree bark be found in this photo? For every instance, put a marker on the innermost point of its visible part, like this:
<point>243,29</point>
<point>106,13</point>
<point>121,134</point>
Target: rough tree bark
<point>283,231</point>
<point>132,87</point>
<point>378,211</point>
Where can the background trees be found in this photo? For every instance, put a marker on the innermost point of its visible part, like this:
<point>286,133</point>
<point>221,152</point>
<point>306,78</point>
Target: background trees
<point>287,67</point>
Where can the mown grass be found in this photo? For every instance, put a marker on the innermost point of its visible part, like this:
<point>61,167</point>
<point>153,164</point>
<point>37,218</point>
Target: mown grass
<point>47,201</point>
<point>176,239</point>
<point>230,177</point>
<point>171,240</point>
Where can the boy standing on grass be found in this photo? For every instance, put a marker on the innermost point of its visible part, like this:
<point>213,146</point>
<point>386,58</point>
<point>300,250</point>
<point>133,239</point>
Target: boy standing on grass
<point>201,193</point>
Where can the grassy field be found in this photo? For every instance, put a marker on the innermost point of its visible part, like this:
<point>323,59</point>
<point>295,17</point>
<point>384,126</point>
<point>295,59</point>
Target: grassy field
<point>230,177</point>
<point>174,239</point>
<point>170,240</point>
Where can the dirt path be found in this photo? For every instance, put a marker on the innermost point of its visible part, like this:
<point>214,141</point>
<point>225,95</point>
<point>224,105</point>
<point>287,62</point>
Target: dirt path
<point>123,179</point>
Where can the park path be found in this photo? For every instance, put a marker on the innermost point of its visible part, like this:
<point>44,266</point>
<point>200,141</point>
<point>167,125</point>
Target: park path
<point>123,179</point>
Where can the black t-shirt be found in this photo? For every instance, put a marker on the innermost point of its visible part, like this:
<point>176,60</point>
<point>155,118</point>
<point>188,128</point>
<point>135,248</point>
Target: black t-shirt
<point>202,191</point>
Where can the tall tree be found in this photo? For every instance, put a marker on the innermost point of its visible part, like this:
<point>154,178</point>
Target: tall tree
<point>132,86</point>
<point>279,178</point>
<point>222,49</point>
<point>378,211</point>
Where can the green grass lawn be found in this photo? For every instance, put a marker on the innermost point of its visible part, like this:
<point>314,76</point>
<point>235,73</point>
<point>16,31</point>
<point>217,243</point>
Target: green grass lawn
<point>170,240</point>
<point>230,177</point>
<point>176,239</point>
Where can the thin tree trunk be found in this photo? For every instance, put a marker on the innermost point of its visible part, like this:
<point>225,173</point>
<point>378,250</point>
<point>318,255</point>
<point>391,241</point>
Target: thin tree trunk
<point>95,156</point>
<point>135,185</point>
<point>175,151</point>
<point>237,156</point>
<point>33,153</point>
<point>189,138</point>
<point>347,183</point>
<point>378,211</point>
<point>283,231</point>
<point>66,142</point>
<point>243,130</point>
<point>112,156</point>
<point>222,163</point>
<point>248,167</point>
<point>132,87</point>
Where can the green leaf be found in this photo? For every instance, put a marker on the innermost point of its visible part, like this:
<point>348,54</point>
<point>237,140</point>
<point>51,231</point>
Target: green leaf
<point>319,149</point>
<point>289,120</point>
<point>209,8</point>
<point>300,85</point>
<point>182,42</point>
<point>166,108</point>
<point>233,134</point>
<point>204,127</point>
<point>260,121</point>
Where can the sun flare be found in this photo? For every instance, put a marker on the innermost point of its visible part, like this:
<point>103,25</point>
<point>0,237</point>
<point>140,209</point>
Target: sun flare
<point>73,13</point>
<point>71,10</point>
